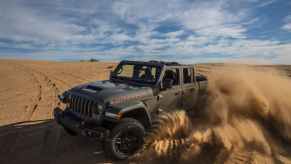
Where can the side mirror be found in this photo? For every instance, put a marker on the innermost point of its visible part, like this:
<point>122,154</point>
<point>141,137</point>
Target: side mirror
<point>168,83</point>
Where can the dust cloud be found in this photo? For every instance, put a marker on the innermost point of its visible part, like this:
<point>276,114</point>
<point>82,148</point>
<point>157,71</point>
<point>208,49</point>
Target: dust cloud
<point>247,119</point>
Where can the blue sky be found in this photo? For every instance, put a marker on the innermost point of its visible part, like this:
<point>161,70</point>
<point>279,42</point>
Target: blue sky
<point>178,30</point>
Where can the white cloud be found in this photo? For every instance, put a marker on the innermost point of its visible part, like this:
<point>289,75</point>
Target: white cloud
<point>287,25</point>
<point>266,3</point>
<point>208,14</point>
<point>136,11</point>
<point>50,23</point>
<point>197,16</point>
<point>21,24</point>
<point>174,34</point>
<point>214,29</point>
<point>235,31</point>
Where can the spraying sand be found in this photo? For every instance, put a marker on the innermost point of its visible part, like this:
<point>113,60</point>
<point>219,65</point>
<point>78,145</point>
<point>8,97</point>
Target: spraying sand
<point>247,120</point>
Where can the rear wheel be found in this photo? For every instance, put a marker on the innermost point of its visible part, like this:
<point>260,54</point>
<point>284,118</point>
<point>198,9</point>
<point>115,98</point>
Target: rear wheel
<point>125,139</point>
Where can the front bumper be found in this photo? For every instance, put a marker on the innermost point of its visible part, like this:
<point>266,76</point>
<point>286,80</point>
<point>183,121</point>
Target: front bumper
<point>75,125</point>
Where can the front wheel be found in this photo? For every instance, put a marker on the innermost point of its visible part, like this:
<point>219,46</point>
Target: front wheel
<point>125,139</point>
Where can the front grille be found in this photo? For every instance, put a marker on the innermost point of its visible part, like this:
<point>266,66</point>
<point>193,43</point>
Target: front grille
<point>82,106</point>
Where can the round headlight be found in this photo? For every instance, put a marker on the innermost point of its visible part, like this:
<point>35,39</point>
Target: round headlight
<point>100,107</point>
<point>65,97</point>
<point>61,98</point>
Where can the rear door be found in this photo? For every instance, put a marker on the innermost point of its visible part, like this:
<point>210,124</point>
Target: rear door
<point>189,88</point>
<point>171,98</point>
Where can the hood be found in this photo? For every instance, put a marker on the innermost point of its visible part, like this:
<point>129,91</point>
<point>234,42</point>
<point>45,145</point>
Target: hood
<point>113,92</point>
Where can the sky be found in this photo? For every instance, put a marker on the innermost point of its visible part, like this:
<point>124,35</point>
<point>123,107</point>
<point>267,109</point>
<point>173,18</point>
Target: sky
<point>188,31</point>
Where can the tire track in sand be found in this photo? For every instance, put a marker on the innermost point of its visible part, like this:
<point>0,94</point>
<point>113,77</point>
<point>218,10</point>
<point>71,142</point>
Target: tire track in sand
<point>32,107</point>
<point>41,143</point>
<point>51,134</point>
<point>17,140</point>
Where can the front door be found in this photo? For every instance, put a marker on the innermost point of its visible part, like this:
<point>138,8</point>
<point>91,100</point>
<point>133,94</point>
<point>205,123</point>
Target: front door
<point>170,98</point>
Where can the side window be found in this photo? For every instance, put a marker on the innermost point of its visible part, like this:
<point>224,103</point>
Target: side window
<point>187,73</point>
<point>126,71</point>
<point>177,77</point>
<point>172,74</point>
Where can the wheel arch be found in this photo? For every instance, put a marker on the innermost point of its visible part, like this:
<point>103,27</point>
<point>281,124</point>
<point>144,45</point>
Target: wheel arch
<point>138,112</point>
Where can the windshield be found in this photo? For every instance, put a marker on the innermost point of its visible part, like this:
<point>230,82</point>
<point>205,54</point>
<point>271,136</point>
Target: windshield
<point>137,72</point>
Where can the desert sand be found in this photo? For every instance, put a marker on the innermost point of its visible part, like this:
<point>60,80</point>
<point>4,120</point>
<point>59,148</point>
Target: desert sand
<point>28,134</point>
<point>28,94</point>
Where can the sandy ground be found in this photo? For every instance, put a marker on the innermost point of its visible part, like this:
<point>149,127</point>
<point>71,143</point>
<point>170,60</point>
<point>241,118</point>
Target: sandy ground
<point>28,95</point>
<point>28,91</point>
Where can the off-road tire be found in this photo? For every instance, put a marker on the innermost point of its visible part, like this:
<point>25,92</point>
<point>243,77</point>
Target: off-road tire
<point>127,125</point>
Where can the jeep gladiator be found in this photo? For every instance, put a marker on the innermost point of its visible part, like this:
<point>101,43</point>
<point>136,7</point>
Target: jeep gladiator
<point>119,111</point>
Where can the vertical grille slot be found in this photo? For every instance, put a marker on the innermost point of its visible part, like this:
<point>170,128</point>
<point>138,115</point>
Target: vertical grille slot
<point>82,106</point>
<point>78,104</point>
<point>88,108</point>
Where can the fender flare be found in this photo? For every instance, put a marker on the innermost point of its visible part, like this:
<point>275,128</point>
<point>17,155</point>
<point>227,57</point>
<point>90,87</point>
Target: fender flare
<point>137,106</point>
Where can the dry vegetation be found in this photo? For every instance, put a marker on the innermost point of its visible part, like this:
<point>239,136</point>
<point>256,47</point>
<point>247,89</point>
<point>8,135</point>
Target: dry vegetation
<point>28,134</point>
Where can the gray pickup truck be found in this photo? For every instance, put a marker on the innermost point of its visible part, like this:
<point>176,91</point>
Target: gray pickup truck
<point>119,111</point>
